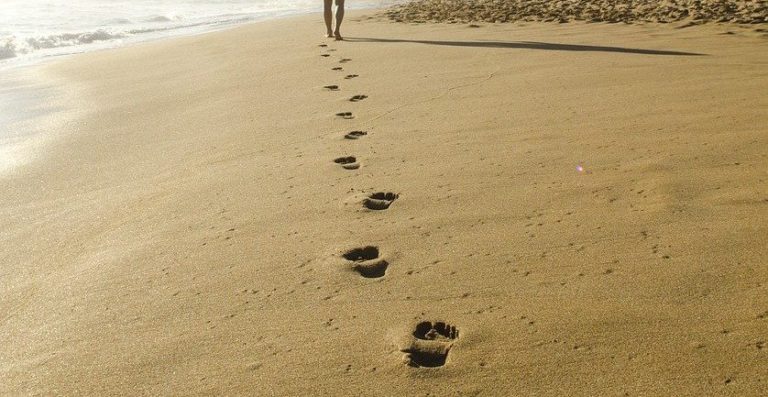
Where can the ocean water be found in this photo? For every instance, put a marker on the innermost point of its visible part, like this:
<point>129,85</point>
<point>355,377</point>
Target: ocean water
<point>34,29</point>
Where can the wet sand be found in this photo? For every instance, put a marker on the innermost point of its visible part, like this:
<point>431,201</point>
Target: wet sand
<point>532,209</point>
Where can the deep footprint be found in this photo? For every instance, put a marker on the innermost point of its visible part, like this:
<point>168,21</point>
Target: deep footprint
<point>439,331</point>
<point>366,261</point>
<point>348,163</point>
<point>322,45</point>
<point>351,76</point>
<point>325,55</point>
<point>331,87</point>
<point>344,60</point>
<point>337,68</point>
<point>433,342</point>
<point>355,134</point>
<point>358,98</point>
<point>379,201</point>
<point>345,115</point>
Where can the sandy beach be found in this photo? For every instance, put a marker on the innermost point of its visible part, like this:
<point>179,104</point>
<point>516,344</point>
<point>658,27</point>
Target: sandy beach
<point>526,209</point>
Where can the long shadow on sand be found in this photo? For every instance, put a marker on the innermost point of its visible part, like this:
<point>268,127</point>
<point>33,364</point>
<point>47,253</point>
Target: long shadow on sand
<point>526,45</point>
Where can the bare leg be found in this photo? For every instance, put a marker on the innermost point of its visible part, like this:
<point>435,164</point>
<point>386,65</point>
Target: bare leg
<point>339,18</point>
<point>328,15</point>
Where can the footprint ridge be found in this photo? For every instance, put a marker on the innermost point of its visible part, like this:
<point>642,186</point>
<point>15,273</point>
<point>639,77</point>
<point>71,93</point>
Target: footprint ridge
<point>380,201</point>
<point>432,341</point>
<point>348,162</point>
<point>366,261</point>
<point>355,135</point>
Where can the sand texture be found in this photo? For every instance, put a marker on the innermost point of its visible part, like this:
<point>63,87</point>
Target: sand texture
<point>628,11</point>
<point>421,210</point>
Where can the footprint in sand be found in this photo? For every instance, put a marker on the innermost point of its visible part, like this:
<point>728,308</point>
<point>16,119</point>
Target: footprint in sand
<point>345,115</point>
<point>331,87</point>
<point>379,201</point>
<point>358,98</point>
<point>322,45</point>
<point>355,134</point>
<point>431,344</point>
<point>351,76</point>
<point>366,261</point>
<point>325,55</point>
<point>348,162</point>
<point>337,68</point>
<point>344,60</point>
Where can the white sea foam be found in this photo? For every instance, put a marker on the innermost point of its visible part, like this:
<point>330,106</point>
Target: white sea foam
<point>34,29</point>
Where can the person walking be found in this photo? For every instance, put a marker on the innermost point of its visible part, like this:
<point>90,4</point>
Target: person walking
<point>328,14</point>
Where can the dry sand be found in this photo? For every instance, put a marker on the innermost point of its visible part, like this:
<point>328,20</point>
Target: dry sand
<point>184,232</point>
<point>628,11</point>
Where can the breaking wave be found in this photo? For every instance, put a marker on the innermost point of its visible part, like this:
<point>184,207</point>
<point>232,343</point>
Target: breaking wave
<point>11,47</point>
<point>34,29</point>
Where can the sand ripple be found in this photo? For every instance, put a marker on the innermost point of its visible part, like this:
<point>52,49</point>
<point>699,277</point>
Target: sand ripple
<point>745,11</point>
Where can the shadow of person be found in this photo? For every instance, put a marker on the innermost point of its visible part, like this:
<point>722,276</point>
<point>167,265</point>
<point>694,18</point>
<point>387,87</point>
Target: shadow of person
<point>527,45</point>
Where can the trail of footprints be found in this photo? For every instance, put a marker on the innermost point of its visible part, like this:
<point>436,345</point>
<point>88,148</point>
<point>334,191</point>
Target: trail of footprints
<point>430,341</point>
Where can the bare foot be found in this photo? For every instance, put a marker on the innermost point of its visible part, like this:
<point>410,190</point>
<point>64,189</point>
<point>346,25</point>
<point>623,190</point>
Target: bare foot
<point>329,34</point>
<point>338,36</point>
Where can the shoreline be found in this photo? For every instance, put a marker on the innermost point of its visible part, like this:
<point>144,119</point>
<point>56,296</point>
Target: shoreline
<point>580,206</point>
<point>28,110</point>
<point>14,63</point>
<point>23,82</point>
